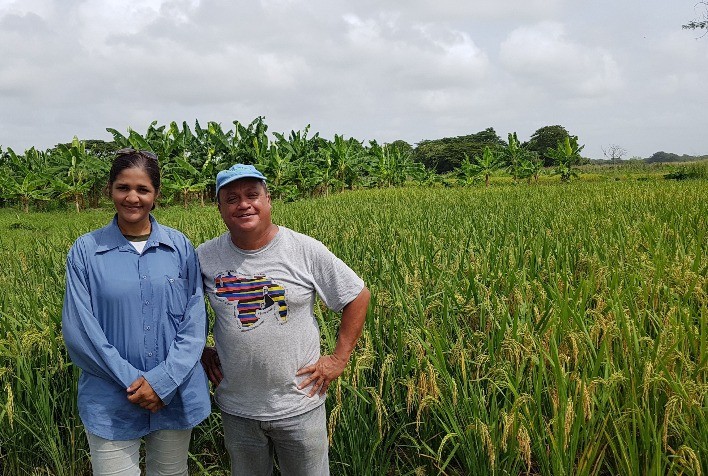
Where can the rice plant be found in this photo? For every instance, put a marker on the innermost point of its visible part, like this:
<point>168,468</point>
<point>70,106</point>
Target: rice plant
<point>512,330</point>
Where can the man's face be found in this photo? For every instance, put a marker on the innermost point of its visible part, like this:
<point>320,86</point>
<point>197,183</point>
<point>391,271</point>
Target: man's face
<point>245,206</point>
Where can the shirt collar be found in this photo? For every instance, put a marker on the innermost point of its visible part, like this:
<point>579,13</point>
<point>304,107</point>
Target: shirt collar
<point>111,236</point>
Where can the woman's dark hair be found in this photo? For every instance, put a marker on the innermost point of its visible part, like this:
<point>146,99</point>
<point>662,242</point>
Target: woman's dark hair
<point>131,158</point>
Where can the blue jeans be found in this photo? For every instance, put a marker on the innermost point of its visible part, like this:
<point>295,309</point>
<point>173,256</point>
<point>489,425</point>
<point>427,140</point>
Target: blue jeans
<point>165,454</point>
<point>299,443</point>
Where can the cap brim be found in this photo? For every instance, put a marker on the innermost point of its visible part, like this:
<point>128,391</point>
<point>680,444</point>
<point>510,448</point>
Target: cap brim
<point>239,177</point>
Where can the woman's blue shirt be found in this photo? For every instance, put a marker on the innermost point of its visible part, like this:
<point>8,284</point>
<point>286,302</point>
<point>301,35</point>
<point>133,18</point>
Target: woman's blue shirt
<point>128,314</point>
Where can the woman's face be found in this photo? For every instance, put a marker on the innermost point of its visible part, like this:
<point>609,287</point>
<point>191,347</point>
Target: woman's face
<point>133,196</point>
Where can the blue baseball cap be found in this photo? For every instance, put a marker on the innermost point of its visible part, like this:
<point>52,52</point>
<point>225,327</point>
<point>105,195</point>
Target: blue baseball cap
<point>236,172</point>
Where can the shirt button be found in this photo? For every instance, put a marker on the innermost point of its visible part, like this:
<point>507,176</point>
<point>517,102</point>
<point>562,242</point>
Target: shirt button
<point>149,354</point>
<point>147,302</point>
<point>147,328</point>
<point>172,280</point>
<point>145,277</point>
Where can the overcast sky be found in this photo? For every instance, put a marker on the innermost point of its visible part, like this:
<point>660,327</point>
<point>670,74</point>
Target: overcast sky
<point>611,72</point>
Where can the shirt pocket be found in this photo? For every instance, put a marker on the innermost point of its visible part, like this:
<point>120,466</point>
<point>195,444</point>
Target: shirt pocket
<point>176,297</point>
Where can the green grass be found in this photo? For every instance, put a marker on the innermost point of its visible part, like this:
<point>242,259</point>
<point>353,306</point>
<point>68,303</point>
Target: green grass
<point>552,329</point>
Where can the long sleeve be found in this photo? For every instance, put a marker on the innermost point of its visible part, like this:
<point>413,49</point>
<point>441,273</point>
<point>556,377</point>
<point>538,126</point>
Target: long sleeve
<point>186,348</point>
<point>129,314</point>
<point>85,340</point>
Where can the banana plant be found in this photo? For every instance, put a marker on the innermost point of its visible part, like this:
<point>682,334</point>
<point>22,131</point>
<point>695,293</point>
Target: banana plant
<point>157,139</point>
<point>486,164</point>
<point>468,172</point>
<point>407,168</point>
<point>133,140</point>
<point>177,143</point>
<point>279,169</point>
<point>306,177</point>
<point>306,166</point>
<point>566,155</point>
<point>392,166</point>
<point>325,175</point>
<point>251,141</point>
<point>26,177</point>
<point>31,187</point>
<point>77,172</point>
<point>223,148</point>
<point>346,157</point>
<point>183,179</point>
<point>532,166</point>
<point>514,157</point>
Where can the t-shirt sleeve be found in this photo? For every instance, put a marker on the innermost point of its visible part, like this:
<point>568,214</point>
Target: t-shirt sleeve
<point>335,282</point>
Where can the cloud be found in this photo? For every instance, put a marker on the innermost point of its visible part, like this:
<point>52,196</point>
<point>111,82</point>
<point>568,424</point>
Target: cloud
<point>422,56</point>
<point>543,54</point>
<point>456,10</point>
<point>370,69</point>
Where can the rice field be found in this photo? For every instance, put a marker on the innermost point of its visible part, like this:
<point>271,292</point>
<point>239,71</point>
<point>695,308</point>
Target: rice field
<point>551,329</point>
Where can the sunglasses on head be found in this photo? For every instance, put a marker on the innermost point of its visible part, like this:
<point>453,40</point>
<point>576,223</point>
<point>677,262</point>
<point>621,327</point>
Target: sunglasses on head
<point>143,153</point>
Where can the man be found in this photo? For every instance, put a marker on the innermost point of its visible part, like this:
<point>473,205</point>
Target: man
<point>262,280</point>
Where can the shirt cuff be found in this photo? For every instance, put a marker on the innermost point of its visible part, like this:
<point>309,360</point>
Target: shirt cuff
<point>161,383</point>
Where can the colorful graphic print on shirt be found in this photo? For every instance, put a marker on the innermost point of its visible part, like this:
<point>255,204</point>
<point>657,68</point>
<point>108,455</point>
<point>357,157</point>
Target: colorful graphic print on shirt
<point>254,298</point>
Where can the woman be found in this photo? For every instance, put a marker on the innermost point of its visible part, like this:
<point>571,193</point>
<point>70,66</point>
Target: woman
<point>134,322</point>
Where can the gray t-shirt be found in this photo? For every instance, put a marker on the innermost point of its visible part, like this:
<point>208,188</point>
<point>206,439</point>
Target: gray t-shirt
<point>265,328</point>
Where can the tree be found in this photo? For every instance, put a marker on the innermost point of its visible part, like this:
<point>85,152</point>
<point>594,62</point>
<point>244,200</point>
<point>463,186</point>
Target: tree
<point>545,139</point>
<point>699,23</point>
<point>662,156</point>
<point>445,155</point>
<point>614,152</point>
<point>404,146</point>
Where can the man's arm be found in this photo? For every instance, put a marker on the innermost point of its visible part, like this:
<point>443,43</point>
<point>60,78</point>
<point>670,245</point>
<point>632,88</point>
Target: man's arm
<point>329,367</point>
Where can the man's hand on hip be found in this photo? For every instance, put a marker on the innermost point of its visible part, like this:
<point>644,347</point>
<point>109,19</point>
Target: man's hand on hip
<point>322,373</point>
<point>329,367</point>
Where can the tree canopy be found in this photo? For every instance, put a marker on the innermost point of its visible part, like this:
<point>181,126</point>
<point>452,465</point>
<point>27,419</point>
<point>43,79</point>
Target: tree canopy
<point>663,157</point>
<point>699,23</point>
<point>547,139</point>
<point>445,155</point>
